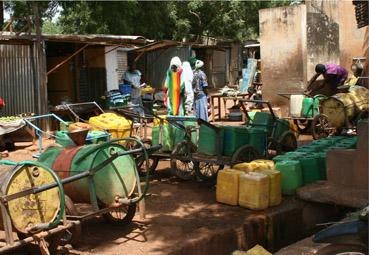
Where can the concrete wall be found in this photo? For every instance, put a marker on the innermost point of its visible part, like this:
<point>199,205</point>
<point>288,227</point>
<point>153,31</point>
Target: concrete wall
<point>295,38</point>
<point>283,50</point>
<point>351,38</point>
<point>322,34</point>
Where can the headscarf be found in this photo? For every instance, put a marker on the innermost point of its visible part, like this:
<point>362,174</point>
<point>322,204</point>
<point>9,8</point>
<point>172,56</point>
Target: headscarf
<point>199,64</point>
<point>187,71</point>
<point>176,61</point>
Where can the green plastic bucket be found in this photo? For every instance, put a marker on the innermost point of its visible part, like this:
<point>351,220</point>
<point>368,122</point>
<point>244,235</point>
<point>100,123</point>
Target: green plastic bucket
<point>291,175</point>
<point>234,138</point>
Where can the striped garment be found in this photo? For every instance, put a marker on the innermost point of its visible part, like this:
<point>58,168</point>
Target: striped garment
<point>175,95</point>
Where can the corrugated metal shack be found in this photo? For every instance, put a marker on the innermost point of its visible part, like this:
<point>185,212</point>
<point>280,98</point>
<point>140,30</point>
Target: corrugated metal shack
<point>221,62</point>
<point>64,67</point>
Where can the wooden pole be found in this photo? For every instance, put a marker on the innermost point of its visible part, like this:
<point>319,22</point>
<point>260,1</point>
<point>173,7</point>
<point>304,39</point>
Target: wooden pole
<point>66,60</point>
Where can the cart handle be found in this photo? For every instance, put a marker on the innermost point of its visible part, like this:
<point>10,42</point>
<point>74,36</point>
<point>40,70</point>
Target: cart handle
<point>259,102</point>
<point>203,122</point>
<point>69,106</point>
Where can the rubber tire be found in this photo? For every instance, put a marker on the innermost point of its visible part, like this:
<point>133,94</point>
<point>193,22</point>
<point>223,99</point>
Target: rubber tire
<point>153,162</point>
<point>127,219</point>
<point>183,175</point>
<point>314,131</point>
<point>237,156</point>
<point>282,143</point>
<point>199,174</point>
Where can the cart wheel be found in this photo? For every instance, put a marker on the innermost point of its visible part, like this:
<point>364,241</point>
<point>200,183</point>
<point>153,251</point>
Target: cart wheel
<point>303,126</point>
<point>287,142</point>
<point>245,153</point>
<point>122,215</point>
<point>183,169</point>
<point>70,209</point>
<point>321,127</point>
<point>141,164</point>
<point>274,148</point>
<point>206,171</point>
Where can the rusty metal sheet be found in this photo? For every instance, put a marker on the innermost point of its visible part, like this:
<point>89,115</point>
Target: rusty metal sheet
<point>16,79</point>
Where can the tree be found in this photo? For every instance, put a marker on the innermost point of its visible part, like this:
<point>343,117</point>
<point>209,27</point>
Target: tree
<point>227,19</point>
<point>22,12</point>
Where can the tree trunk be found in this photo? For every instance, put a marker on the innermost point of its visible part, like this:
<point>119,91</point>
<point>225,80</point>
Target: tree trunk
<point>1,14</point>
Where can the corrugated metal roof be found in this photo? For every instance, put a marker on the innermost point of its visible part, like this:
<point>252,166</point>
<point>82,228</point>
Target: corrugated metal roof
<point>124,40</point>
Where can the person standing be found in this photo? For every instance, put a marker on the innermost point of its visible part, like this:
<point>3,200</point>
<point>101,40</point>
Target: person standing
<point>200,85</point>
<point>187,79</point>
<point>133,77</point>
<point>175,88</point>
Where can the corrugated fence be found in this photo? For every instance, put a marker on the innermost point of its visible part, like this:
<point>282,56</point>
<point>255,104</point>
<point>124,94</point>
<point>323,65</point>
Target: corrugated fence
<point>17,83</point>
<point>157,63</point>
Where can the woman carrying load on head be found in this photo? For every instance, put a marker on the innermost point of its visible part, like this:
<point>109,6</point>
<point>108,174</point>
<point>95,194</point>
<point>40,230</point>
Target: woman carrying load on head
<point>175,88</point>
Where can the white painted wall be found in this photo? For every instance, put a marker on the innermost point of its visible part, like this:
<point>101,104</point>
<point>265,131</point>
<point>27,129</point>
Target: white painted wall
<point>116,65</point>
<point>111,64</point>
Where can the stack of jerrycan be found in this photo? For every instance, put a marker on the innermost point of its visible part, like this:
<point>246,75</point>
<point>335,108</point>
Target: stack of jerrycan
<point>308,163</point>
<point>255,185</point>
<point>229,139</point>
<point>116,125</point>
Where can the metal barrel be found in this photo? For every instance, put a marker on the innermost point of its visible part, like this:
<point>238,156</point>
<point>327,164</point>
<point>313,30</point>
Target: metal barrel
<point>26,212</point>
<point>345,106</point>
<point>115,180</point>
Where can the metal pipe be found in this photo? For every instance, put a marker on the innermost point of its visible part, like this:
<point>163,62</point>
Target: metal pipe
<point>36,237</point>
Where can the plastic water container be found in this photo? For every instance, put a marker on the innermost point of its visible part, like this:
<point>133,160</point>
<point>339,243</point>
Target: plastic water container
<point>291,175</point>
<point>258,139</point>
<point>296,105</point>
<point>167,141</point>
<point>208,140</point>
<point>234,138</point>
<point>264,164</point>
<point>310,168</point>
<point>322,157</point>
<point>254,191</point>
<point>227,186</point>
<point>116,125</point>
<point>310,107</point>
<point>275,189</point>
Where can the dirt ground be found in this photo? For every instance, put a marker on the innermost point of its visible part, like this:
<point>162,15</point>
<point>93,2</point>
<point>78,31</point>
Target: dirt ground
<point>176,212</point>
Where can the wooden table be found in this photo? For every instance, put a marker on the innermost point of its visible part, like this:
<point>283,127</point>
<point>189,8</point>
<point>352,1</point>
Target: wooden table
<point>225,98</point>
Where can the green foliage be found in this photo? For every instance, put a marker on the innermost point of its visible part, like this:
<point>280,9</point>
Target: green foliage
<point>154,19</point>
<point>49,27</point>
